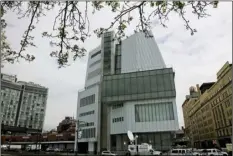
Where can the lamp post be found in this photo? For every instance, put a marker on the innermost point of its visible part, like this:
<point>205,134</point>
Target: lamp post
<point>9,143</point>
<point>136,142</point>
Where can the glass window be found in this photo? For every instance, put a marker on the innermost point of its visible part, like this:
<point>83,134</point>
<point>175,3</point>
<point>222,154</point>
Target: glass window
<point>172,81</point>
<point>95,54</point>
<point>121,84</point>
<point>151,117</point>
<point>153,83</point>
<point>108,90</point>
<point>133,85</point>
<point>140,84</point>
<point>146,112</point>
<point>160,84</point>
<point>127,86</point>
<point>174,151</point>
<point>147,85</point>
<point>137,119</point>
<point>167,82</point>
<point>153,112</point>
<point>114,87</point>
<point>163,112</point>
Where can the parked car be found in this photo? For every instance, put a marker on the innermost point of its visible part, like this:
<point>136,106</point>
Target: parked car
<point>197,152</point>
<point>49,149</point>
<point>181,152</point>
<point>4,147</point>
<point>213,152</point>
<point>57,150</point>
<point>153,152</point>
<point>108,153</point>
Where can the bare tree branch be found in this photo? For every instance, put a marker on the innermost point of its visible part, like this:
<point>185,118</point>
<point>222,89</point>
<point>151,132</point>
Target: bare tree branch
<point>71,26</point>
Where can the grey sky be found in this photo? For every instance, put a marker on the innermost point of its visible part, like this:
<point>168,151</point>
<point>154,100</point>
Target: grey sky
<point>195,59</point>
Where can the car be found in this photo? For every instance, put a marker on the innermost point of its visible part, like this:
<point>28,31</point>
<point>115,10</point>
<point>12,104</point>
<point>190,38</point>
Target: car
<point>181,152</point>
<point>49,149</point>
<point>153,152</point>
<point>213,152</point>
<point>57,150</point>
<point>108,153</point>
<point>197,152</point>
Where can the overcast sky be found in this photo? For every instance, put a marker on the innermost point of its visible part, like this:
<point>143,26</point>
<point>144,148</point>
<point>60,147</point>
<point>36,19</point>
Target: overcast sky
<point>195,59</point>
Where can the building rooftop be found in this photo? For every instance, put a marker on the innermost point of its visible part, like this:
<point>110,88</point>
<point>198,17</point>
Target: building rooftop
<point>206,86</point>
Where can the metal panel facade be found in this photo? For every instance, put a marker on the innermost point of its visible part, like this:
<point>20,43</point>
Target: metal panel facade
<point>140,53</point>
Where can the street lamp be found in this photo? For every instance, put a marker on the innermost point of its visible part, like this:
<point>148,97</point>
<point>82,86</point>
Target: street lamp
<point>136,142</point>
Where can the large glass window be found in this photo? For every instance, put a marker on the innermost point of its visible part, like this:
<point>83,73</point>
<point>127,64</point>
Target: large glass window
<point>87,100</point>
<point>88,133</point>
<point>154,112</point>
<point>138,85</point>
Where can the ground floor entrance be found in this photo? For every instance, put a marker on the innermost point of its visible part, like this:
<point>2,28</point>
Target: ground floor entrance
<point>87,147</point>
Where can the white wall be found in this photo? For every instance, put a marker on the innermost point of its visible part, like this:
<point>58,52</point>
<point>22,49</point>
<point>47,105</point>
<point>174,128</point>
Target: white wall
<point>140,53</point>
<point>92,117</point>
<point>128,112</point>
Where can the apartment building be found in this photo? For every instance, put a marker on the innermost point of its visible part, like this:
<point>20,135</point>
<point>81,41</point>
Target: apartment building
<point>208,114</point>
<point>127,87</point>
<point>23,103</point>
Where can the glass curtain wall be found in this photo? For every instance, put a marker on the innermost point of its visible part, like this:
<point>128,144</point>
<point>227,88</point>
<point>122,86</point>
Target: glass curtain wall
<point>139,85</point>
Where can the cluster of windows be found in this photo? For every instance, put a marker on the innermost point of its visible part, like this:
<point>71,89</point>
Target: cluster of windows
<point>140,85</point>
<point>115,106</point>
<point>107,53</point>
<point>94,73</point>
<point>119,119</point>
<point>87,113</point>
<point>154,112</point>
<point>118,59</point>
<point>87,100</point>
<point>95,54</point>
<point>94,63</point>
<point>86,124</point>
<point>88,133</point>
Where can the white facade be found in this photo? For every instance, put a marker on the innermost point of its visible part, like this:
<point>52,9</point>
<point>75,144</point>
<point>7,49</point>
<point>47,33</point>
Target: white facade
<point>93,75</point>
<point>91,107</point>
<point>128,113</point>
